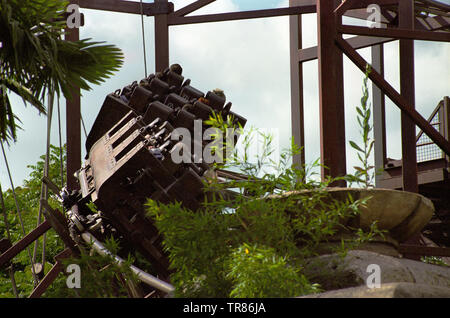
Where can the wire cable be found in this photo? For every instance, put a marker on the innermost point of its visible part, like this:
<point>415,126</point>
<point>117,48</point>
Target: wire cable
<point>143,39</point>
<point>44,188</point>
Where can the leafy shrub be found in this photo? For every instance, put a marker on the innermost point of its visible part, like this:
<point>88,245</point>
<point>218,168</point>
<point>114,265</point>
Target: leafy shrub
<point>259,271</point>
<point>101,276</point>
<point>28,196</point>
<point>252,241</point>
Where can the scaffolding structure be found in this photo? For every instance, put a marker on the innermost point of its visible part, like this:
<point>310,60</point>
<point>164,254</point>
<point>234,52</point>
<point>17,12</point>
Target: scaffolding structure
<point>404,21</point>
<point>401,20</point>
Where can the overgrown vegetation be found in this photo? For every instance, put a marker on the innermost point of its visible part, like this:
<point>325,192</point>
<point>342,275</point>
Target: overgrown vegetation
<point>251,237</point>
<point>101,276</point>
<point>365,173</point>
<point>253,241</point>
<point>28,201</point>
<point>434,260</point>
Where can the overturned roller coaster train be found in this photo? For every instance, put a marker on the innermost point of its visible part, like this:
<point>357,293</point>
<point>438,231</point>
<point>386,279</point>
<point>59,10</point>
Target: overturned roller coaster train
<point>129,160</point>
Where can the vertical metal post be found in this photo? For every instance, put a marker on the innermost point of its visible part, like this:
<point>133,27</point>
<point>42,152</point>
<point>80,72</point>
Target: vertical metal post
<point>340,116</point>
<point>331,106</point>
<point>409,157</point>
<point>407,90</point>
<point>445,119</point>
<point>161,41</point>
<point>297,111</point>
<point>73,125</point>
<point>379,114</point>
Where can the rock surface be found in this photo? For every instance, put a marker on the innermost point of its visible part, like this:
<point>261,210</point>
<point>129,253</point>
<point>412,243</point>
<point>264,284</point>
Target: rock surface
<point>389,290</point>
<point>334,272</point>
<point>401,213</point>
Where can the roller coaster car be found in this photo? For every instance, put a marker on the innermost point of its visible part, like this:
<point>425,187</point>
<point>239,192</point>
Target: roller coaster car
<point>129,160</point>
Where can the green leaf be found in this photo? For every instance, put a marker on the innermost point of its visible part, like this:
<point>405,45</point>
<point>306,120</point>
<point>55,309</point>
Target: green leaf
<point>359,111</point>
<point>355,146</point>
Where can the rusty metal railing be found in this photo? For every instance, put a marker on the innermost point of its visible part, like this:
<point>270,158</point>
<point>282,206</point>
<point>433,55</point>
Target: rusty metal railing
<point>427,150</point>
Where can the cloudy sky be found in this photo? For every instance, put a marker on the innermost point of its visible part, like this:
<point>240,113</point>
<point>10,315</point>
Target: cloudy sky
<point>249,60</point>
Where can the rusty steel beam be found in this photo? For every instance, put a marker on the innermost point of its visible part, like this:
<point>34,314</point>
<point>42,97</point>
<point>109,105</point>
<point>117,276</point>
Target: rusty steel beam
<point>230,16</point>
<point>437,4</point>
<point>398,33</point>
<point>73,125</point>
<point>357,42</point>
<point>360,4</point>
<point>389,91</point>
<point>51,275</point>
<point>297,100</point>
<point>24,242</point>
<point>361,41</point>
<point>407,90</point>
<point>332,128</point>
<point>340,111</point>
<point>161,40</point>
<point>192,7</point>
<point>344,6</point>
<point>379,114</point>
<point>446,121</point>
<point>433,23</point>
<point>47,280</point>
<point>446,116</point>
<point>132,7</point>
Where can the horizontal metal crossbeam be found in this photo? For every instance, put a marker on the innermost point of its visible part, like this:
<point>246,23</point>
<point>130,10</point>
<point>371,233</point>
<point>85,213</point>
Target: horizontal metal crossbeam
<point>395,33</point>
<point>133,7</point>
<point>229,16</point>
<point>24,242</point>
<point>357,42</point>
<point>399,100</point>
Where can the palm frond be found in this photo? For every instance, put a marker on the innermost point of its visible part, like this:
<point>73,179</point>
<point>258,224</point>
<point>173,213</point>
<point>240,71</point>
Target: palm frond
<point>8,121</point>
<point>34,60</point>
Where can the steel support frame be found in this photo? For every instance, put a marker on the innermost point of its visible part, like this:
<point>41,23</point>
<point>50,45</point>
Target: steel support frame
<point>407,90</point>
<point>398,99</point>
<point>162,10</point>
<point>161,40</point>
<point>373,37</point>
<point>297,98</point>
<point>10,253</point>
<point>52,274</point>
<point>330,48</point>
<point>331,95</point>
<point>330,79</point>
<point>446,121</point>
<point>331,45</point>
<point>379,114</point>
<point>73,125</point>
<point>405,100</point>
